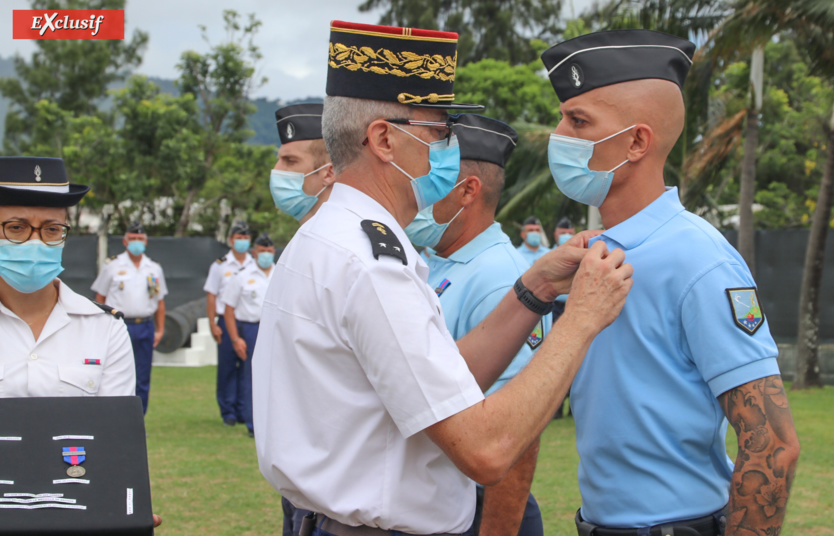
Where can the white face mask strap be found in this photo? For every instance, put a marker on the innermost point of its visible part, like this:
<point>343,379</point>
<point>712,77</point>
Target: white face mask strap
<point>410,134</point>
<point>404,172</point>
<point>318,169</point>
<point>624,162</point>
<point>456,215</point>
<point>615,134</point>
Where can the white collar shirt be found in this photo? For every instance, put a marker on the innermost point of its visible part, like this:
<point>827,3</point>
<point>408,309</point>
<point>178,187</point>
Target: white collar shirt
<point>134,290</point>
<point>82,351</point>
<point>221,272</point>
<point>353,361</point>
<point>246,291</point>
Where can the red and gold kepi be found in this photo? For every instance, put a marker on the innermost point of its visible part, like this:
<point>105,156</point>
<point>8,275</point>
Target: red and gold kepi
<point>387,63</point>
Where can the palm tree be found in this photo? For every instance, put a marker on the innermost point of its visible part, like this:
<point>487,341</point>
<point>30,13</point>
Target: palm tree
<point>812,22</point>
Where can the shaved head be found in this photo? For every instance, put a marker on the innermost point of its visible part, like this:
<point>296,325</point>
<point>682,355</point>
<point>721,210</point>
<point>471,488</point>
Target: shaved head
<point>657,103</point>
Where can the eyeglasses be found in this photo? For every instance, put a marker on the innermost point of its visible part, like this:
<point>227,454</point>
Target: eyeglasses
<point>52,234</point>
<point>443,129</point>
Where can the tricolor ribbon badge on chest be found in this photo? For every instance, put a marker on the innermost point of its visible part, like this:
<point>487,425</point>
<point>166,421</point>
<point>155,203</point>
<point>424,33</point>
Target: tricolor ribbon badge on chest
<point>153,286</point>
<point>441,288</point>
<point>747,312</point>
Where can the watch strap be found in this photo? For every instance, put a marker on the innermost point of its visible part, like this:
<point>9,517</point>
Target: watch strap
<point>530,300</point>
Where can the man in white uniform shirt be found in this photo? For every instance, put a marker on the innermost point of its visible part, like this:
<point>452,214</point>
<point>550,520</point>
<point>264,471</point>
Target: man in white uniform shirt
<point>244,299</point>
<point>135,285</point>
<point>366,410</point>
<point>220,273</point>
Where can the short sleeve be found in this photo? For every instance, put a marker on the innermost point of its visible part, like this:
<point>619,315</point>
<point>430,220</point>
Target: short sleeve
<point>163,287</point>
<point>231,294</point>
<point>213,280</point>
<point>102,283</point>
<point>119,375</point>
<point>725,354</point>
<point>396,328</point>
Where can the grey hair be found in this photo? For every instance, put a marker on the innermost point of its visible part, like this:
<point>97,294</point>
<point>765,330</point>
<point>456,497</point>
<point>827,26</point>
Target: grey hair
<point>344,125</point>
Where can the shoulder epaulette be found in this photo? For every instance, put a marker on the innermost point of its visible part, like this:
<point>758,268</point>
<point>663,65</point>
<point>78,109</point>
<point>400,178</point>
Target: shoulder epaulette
<point>108,260</point>
<point>383,240</point>
<point>107,309</point>
<point>220,260</point>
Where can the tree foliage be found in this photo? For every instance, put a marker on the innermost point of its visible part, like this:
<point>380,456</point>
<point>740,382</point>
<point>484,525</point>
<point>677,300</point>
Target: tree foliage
<point>73,74</point>
<point>501,30</point>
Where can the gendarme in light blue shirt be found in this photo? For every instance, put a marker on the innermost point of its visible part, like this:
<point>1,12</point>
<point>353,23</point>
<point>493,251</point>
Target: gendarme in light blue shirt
<point>473,280</point>
<point>530,255</point>
<point>650,432</point>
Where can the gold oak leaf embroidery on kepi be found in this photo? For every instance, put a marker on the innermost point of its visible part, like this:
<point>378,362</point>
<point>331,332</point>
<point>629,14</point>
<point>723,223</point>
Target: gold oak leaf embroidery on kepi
<point>385,62</point>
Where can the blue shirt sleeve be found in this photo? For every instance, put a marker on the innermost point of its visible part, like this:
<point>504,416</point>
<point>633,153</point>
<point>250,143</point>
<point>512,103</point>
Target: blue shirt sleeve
<point>725,354</point>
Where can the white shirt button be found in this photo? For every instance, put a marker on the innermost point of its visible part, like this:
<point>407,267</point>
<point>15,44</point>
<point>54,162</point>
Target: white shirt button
<point>33,356</point>
<point>91,383</point>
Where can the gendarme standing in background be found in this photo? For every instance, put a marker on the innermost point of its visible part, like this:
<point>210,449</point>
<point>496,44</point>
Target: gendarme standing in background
<point>135,285</point>
<point>303,175</point>
<point>691,347</point>
<point>229,372</point>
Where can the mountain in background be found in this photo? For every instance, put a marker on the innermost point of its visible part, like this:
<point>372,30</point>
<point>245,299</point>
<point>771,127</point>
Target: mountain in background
<point>262,122</point>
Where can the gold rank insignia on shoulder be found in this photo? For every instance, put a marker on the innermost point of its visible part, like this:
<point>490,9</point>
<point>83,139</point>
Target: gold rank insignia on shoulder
<point>107,309</point>
<point>219,261</point>
<point>108,260</point>
<point>383,240</point>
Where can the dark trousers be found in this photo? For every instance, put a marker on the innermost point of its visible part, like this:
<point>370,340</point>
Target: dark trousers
<point>141,338</point>
<point>531,523</point>
<point>227,377</point>
<point>249,332</point>
<point>292,517</point>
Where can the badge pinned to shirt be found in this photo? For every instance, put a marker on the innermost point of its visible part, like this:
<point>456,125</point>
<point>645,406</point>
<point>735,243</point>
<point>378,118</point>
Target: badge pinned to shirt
<point>153,286</point>
<point>535,338</point>
<point>441,288</point>
<point>92,361</point>
<point>747,313</point>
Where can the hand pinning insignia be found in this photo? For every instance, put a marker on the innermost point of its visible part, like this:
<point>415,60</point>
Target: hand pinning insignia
<point>383,241</point>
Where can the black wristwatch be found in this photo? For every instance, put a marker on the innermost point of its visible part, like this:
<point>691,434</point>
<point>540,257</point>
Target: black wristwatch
<point>530,300</point>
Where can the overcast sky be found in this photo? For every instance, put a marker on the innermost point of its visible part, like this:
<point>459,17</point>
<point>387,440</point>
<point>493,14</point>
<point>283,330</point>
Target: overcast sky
<point>293,37</point>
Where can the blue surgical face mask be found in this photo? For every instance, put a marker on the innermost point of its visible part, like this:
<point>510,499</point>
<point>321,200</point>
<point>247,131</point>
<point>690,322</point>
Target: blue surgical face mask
<point>564,238</point>
<point>136,247</point>
<point>265,259</point>
<point>287,192</point>
<point>568,158</point>
<point>29,266</point>
<point>241,245</point>
<point>424,230</point>
<point>444,158</point>
<point>533,239</point>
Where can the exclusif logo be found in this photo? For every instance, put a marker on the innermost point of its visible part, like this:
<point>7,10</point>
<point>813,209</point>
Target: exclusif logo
<point>68,24</point>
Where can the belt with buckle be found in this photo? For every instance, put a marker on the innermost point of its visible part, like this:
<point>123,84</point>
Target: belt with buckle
<point>711,525</point>
<point>340,529</point>
<point>137,320</point>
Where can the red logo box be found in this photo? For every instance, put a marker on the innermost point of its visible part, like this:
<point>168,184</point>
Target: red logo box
<point>68,24</point>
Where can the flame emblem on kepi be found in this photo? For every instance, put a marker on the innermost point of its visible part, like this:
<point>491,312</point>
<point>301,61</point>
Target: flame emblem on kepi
<point>37,173</point>
<point>576,75</point>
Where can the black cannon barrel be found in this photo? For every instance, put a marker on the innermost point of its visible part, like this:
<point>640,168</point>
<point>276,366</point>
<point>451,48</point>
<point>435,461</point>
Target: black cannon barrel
<point>180,323</point>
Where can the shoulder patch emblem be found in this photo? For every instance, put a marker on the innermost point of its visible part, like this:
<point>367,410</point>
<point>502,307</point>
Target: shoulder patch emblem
<point>747,312</point>
<point>383,240</point>
<point>441,288</point>
<point>537,336</point>
<point>107,309</point>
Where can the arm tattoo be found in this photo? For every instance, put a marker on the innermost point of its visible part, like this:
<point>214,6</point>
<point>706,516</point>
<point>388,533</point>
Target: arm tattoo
<point>767,449</point>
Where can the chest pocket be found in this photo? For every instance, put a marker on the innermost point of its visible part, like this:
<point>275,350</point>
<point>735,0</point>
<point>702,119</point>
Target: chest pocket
<point>79,381</point>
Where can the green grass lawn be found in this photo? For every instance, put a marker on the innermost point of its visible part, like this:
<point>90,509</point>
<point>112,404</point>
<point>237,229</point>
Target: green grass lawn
<point>205,478</point>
